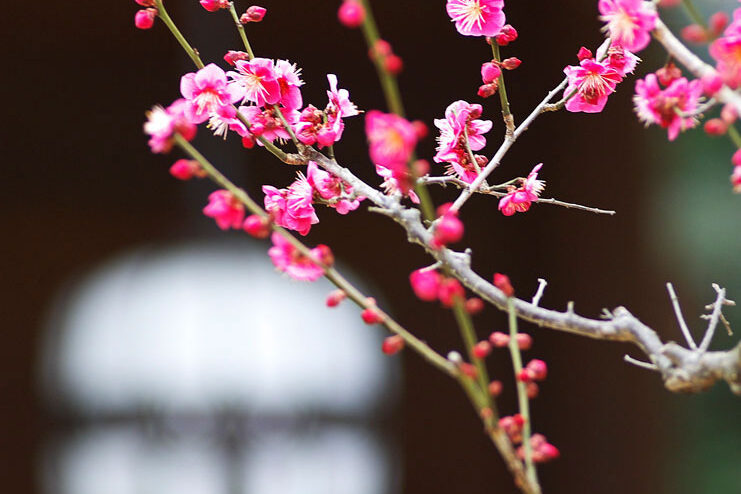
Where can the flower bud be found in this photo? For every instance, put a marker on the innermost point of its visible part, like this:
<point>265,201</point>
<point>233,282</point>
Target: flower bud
<point>488,90</point>
<point>499,339</point>
<point>524,341</point>
<point>511,63</point>
<point>393,64</point>
<point>450,290</point>
<point>426,284</point>
<point>257,226</point>
<point>468,370</point>
<point>668,73</point>
<point>481,349</point>
<point>507,35</point>
<point>495,388</point>
<point>531,390</point>
<point>253,14</point>
<point>584,53</point>
<point>729,114</point>
<point>711,83</point>
<point>232,56</point>
<point>538,369</point>
<point>371,316</point>
<point>324,254</point>
<point>144,18</point>
<point>351,14</point>
<point>186,169</point>
<point>736,179</point>
<point>146,3</point>
<point>214,5</point>
<point>490,72</point>
<point>694,33</point>
<point>392,345</point>
<point>448,230</point>
<point>718,23</point>
<point>335,298</point>
<point>715,127</point>
<point>474,305</point>
<point>502,282</point>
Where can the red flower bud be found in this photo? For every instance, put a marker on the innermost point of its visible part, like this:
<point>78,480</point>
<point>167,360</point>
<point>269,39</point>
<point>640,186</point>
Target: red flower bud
<point>474,305</point>
<point>335,297</point>
<point>502,282</point>
<point>257,226</point>
<point>371,316</point>
<point>482,349</point>
<point>392,345</point>
<point>511,63</point>
<point>499,339</point>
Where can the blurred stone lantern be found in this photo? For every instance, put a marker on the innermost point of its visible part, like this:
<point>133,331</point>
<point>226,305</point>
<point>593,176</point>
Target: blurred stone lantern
<point>200,370</point>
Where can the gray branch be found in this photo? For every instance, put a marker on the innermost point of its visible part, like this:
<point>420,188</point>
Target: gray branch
<point>682,369</point>
<point>692,62</point>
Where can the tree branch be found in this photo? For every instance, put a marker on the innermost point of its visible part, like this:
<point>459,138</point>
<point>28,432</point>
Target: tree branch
<point>692,62</point>
<point>682,369</point>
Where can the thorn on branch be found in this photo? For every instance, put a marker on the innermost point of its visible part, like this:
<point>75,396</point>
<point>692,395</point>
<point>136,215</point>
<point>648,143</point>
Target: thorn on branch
<point>539,293</point>
<point>639,363</point>
<point>680,317</point>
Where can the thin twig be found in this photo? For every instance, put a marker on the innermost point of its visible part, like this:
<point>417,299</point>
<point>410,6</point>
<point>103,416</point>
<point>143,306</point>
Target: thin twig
<point>717,307</point>
<point>640,363</point>
<point>538,294</point>
<point>680,317</point>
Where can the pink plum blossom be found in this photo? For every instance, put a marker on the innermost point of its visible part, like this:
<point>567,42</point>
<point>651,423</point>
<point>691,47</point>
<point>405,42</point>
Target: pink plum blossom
<point>520,199</point>
<point>629,22</point>
<point>163,123</point>
<point>426,284</point>
<point>289,80</point>
<point>265,123</point>
<point>621,60</point>
<point>727,52</point>
<point>257,80</point>
<point>292,208</point>
<point>392,185</point>
<point>461,121</point>
<point>207,92</point>
<point>332,189</point>
<point>736,179</point>
<point>339,107</point>
<point>391,139</point>
<point>214,5</point>
<point>287,259</point>
<point>477,17</point>
<point>225,209</point>
<point>662,107</point>
<point>325,127</point>
<point>593,82</point>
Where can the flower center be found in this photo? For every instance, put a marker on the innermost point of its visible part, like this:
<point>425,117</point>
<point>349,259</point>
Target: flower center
<point>209,100</point>
<point>471,13</point>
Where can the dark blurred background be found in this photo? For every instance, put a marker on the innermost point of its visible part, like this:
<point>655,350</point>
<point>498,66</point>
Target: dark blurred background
<point>81,189</point>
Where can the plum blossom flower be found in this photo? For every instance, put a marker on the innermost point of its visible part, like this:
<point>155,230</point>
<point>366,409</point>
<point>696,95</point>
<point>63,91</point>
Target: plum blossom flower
<point>477,17</point>
<point>332,189</point>
<point>257,80</point>
<point>289,80</point>
<point>629,22</point>
<point>461,122</point>
<point>391,139</point>
<point>663,107</point>
<point>727,52</point>
<point>392,185</point>
<point>162,124</point>
<point>265,123</point>
<point>225,209</point>
<point>593,82</point>
<point>287,259</point>
<point>207,92</point>
<point>325,127</point>
<point>520,199</point>
<point>620,59</point>
<point>292,208</point>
